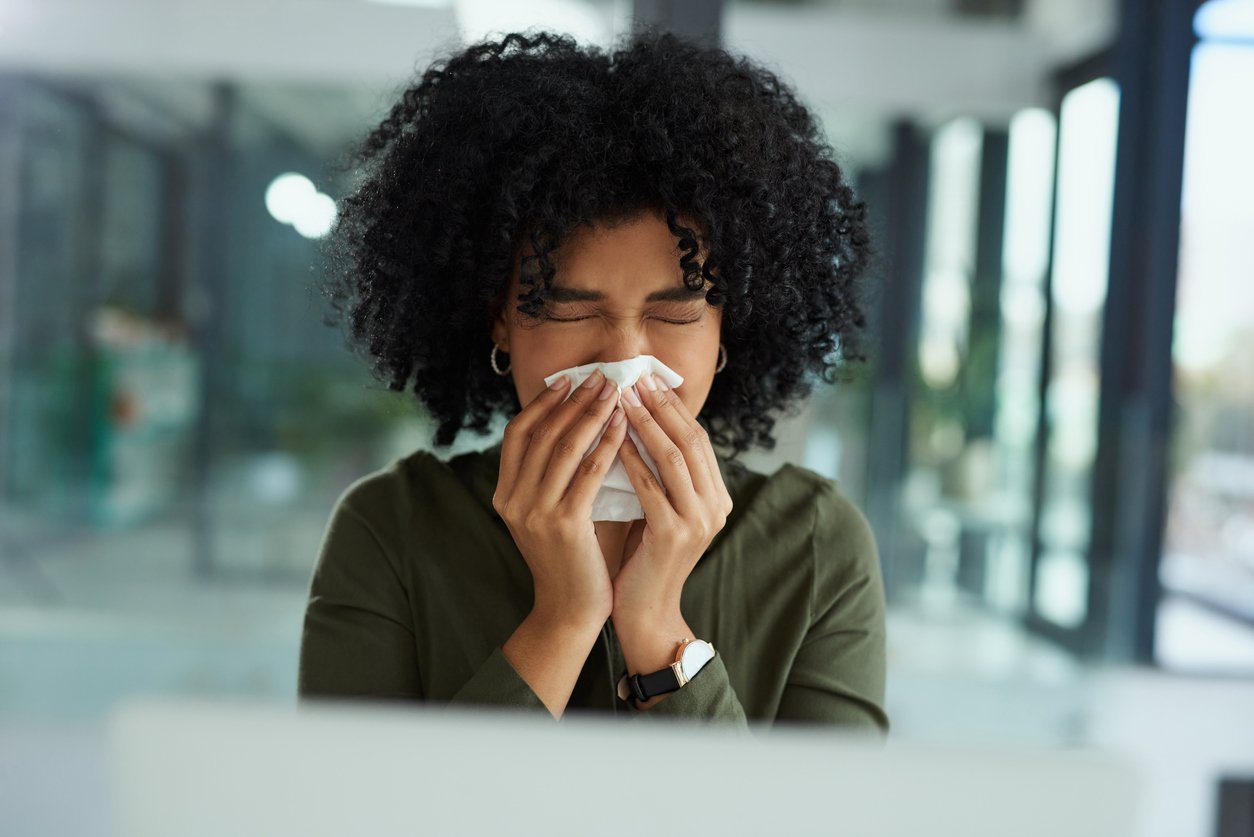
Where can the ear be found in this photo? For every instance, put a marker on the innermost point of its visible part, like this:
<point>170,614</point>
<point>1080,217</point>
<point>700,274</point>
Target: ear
<point>500,331</point>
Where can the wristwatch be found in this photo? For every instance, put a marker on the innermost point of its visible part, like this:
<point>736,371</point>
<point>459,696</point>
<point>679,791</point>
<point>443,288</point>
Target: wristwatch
<point>691,655</point>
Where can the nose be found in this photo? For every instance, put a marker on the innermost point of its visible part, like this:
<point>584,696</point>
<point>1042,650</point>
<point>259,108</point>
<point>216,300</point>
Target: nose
<point>623,343</point>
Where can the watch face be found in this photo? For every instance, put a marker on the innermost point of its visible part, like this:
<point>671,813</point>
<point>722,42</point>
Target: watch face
<point>696,654</point>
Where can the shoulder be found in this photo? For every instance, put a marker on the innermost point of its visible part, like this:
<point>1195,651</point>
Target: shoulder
<point>798,491</point>
<point>385,484</point>
<point>841,539</point>
<point>424,489</point>
<point>835,515</point>
<point>378,519</point>
<point>796,508</point>
<point>386,497</point>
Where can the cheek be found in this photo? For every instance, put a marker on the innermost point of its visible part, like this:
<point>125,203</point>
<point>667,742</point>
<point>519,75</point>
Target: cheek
<point>540,353</point>
<point>694,392</point>
<point>697,379</point>
<point>689,353</point>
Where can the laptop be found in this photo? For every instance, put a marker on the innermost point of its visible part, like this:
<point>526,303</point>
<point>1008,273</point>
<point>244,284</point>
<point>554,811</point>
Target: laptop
<point>344,768</point>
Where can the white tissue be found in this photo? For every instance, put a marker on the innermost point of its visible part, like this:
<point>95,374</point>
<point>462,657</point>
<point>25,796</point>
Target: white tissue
<point>616,499</point>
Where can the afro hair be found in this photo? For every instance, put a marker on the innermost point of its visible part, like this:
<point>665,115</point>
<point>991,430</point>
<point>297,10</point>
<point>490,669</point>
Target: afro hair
<point>524,139</point>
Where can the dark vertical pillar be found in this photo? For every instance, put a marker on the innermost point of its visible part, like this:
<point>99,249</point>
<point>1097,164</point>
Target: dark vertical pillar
<point>174,229</point>
<point>1152,67</point>
<point>214,166</point>
<point>87,296</point>
<point>1234,808</point>
<point>898,215</point>
<point>697,20</point>
<point>10,173</point>
<point>979,371</point>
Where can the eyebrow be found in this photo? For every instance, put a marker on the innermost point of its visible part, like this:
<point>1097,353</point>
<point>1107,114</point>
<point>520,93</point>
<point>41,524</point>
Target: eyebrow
<point>680,293</point>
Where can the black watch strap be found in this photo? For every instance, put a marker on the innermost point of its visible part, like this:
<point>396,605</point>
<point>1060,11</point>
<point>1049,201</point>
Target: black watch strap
<point>645,686</point>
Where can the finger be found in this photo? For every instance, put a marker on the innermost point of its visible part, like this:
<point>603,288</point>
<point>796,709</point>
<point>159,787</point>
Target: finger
<point>518,432</point>
<point>569,450</point>
<point>590,474</point>
<point>706,446</point>
<point>669,457</point>
<point>657,508</point>
<point>546,433</point>
<point>672,416</point>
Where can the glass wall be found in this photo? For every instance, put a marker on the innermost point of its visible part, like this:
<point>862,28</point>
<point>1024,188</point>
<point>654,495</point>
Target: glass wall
<point>975,407</point>
<point>1206,620</point>
<point>177,419</point>
<point>1024,263</point>
<point>934,500</point>
<point>1081,255</point>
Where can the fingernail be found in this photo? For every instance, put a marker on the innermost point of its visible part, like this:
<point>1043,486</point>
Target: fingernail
<point>606,390</point>
<point>593,379</point>
<point>632,398</point>
<point>561,381</point>
<point>661,384</point>
<point>618,417</point>
<point>648,382</point>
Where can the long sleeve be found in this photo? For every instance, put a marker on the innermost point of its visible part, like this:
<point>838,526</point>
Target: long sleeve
<point>358,638</point>
<point>838,676</point>
<point>709,695</point>
<point>497,683</point>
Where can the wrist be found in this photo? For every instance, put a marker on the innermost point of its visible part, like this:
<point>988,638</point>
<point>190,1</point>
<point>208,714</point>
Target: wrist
<point>662,613</point>
<point>648,688</point>
<point>566,620</point>
<point>650,646</point>
<point>560,607</point>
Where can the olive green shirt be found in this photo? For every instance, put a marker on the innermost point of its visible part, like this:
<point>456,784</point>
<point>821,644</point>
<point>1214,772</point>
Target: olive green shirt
<point>418,584</point>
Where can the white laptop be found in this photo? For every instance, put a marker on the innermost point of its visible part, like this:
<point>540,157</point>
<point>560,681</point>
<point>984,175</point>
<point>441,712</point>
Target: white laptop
<point>200,768</point>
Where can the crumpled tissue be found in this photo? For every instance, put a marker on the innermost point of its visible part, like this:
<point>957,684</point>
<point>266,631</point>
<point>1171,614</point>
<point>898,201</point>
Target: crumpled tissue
<point>616,499</point>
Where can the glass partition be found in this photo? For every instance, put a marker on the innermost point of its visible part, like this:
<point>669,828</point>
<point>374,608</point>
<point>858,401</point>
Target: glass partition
<point>1206,619</point>
<point>1086,165</point>
<point>1024,262</point>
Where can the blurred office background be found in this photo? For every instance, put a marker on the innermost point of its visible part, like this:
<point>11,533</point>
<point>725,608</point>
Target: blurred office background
<point>1054,444</point>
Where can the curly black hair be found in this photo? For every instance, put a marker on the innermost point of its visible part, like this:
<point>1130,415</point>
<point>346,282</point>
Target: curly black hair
<point>526,138</point>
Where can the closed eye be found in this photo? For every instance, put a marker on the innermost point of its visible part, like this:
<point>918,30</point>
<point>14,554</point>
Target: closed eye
<point>659,319</point>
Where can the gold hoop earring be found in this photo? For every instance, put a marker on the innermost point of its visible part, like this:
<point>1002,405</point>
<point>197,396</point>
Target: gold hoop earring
<point>495,368</point>
<point>722,358</point>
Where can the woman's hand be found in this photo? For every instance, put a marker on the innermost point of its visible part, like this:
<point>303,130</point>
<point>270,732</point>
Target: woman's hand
<point>679,522</point>
<point>545,490</point>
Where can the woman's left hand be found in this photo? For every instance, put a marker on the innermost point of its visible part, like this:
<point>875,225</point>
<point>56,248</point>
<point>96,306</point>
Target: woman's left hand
<point>680,521</point>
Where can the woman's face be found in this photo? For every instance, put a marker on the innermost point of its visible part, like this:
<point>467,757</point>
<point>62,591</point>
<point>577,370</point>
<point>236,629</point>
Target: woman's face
<point>617,293</point>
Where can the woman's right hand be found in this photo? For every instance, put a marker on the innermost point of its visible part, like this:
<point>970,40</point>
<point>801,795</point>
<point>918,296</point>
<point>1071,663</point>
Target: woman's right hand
<point>545,489</point>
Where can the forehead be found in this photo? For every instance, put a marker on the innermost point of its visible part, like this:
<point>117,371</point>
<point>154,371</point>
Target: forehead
<point>637,258</point>
<point>581,293</point>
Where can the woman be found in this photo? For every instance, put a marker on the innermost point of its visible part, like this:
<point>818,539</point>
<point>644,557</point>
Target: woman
<point>533,205</point>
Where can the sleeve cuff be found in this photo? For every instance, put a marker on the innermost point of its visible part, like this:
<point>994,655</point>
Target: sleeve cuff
<point>497,683</point>
<point>707,696</point>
